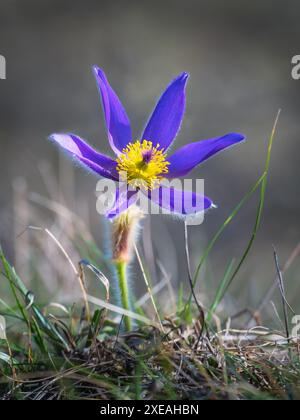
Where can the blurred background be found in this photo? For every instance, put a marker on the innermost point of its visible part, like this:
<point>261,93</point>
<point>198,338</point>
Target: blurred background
<point>239,57</point>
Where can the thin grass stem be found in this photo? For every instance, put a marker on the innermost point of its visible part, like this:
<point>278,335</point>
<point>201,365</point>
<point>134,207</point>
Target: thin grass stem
<point>122,278</point>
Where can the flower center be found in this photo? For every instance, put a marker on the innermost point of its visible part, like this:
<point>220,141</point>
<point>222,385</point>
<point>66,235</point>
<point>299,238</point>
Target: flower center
<point>142,165</point>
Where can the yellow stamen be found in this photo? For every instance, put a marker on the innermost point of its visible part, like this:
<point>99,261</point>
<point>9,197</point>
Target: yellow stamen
<point>142,165</point>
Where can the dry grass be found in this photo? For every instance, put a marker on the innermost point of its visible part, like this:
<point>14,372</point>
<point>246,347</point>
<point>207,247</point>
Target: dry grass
<point>147,364</point>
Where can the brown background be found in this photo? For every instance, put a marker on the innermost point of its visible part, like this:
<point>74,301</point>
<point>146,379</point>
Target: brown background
<point>239,57</point>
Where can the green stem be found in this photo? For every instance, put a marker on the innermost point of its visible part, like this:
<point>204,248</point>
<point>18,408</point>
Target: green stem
<point>121,270</point>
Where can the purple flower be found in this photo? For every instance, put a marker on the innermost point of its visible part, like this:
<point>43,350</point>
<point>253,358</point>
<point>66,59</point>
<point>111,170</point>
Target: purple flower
<point>143,163</point>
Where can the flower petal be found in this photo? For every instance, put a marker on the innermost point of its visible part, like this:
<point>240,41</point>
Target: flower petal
<point>189,156</point>
<point>82,152</point>
<point>166,118</point>
<point>179,201</point>
<point>117,121</point>
<point>123,200</point>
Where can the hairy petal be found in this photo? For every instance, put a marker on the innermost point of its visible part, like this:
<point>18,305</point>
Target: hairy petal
<point>166,118</point>
<point>117,121</point>
<point>186,158</point>
<point>86,155</point>
<point>123,200</point>
<point>179,201</point>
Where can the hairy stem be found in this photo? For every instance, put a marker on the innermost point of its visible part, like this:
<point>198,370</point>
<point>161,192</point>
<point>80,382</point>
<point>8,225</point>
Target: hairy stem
<point>122,278</point>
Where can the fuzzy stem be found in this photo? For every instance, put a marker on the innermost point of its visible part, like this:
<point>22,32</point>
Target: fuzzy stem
<point>122,277</point>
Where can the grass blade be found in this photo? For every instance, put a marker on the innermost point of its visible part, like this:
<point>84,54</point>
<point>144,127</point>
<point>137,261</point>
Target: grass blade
<point>215,238</point>
<point>260,206</point>
<point>220,291</point>
<point>262,183</point>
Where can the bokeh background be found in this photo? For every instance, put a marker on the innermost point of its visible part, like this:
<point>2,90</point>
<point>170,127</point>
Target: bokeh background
<point>239,57</point>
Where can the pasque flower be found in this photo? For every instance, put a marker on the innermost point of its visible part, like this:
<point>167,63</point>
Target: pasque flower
<point>145,163</point>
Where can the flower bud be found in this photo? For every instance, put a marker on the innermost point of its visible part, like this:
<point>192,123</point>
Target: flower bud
<point>124,231</point>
